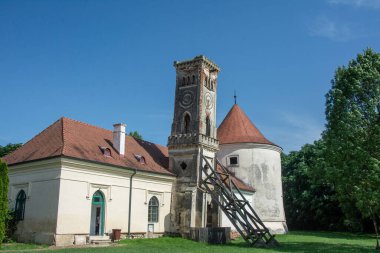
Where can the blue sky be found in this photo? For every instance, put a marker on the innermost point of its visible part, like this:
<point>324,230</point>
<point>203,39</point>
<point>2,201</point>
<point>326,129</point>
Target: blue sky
<point>104,62</point>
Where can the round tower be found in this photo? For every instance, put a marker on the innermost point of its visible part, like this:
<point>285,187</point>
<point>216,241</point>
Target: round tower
<point>257,162</point>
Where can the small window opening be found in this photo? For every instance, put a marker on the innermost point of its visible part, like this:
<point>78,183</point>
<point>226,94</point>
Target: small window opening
<point>106,151</point>
<point>188,80</point>
<point>183,81</point>
<point>193,79</point>
<point>183,165</point>
<point>233,160</point>
<point>186,126</point>
<point>140,159</point>
<point>208,126</point>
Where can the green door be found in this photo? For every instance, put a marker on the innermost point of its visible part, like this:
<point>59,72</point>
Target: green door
<point>97,214</point>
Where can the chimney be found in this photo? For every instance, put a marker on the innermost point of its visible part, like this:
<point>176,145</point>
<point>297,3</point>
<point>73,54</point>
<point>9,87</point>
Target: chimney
<point>119,138</point>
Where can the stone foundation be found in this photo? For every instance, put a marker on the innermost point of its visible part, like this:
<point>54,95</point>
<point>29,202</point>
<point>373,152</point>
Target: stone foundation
<point>219,235</point>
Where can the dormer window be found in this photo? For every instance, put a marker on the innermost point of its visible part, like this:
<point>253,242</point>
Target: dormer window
<point>233,160</point>
<point>140,159</point>
<point>106,151</point>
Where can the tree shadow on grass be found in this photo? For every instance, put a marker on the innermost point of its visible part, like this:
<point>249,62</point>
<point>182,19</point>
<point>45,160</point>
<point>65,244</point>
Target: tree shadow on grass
<point>333,235</point>
<point>322,247</point>
<point>306,247</point>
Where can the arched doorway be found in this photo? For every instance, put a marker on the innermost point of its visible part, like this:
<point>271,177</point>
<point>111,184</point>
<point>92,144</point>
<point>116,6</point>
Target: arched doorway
<point>97,214</point>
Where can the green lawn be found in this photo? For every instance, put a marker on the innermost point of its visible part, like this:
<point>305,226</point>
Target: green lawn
<point>293,242</point>
<point>21,246</point>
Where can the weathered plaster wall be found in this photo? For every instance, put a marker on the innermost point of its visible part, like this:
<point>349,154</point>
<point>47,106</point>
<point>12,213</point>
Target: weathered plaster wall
<point>260,167</point>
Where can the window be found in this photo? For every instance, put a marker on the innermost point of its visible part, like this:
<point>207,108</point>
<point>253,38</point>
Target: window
<point>20,205</point>
<point>208,126</point>
<point>186,126</point>
<point>140,158</point>
<point>153,210</point>
<point>106,151</point>
<point>233,160</point>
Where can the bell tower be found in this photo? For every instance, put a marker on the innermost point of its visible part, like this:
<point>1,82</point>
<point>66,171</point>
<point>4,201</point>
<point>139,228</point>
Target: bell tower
<point>193,131</point>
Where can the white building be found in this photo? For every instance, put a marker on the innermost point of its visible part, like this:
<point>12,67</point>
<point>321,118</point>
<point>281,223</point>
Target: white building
<point>74,180</point>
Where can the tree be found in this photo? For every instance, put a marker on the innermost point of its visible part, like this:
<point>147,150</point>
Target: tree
<point>9,148</point>
<point>353,135</point>
<point>3,198</point>
<point>136,135</point>
<point>309,199</point>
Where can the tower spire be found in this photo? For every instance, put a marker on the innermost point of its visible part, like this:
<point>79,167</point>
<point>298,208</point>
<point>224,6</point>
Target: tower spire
<point>235,96</point>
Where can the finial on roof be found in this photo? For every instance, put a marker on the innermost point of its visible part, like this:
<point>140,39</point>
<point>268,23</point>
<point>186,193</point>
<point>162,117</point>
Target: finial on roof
<point>235,96</point>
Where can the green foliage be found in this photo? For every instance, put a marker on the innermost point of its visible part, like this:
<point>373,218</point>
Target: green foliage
<point>4,181</point>
<point>136,135</point>
<point>10,226</point>
<point>9,148</point>
<point>309,199</point>
<point>353,135</point>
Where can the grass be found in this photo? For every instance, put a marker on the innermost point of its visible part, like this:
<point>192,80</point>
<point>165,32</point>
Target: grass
<point>297,242</point>
<point>21,246</point>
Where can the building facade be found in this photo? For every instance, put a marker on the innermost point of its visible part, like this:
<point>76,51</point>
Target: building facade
<point>75,180</point>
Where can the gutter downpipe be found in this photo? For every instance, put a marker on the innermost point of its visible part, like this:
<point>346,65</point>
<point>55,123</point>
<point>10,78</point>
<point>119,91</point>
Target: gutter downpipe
<point>130,203</point>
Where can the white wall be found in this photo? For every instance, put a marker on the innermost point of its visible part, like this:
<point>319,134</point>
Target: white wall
<point>80,180</point>
<point>40,181</point>
<point>260,167</point>
<point>224,221</point>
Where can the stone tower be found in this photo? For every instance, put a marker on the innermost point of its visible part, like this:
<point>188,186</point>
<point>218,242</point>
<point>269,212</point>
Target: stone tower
<point>193,131</point>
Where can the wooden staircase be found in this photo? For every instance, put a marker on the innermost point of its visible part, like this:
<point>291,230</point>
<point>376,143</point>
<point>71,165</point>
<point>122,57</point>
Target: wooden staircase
<point>217,182</point>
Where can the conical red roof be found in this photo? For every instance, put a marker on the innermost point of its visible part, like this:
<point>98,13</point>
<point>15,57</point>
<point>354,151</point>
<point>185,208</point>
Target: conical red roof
<point>238,128</point>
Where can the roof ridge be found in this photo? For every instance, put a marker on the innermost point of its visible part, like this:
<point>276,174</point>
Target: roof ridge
<point>63,135</point>
<point>241,119</point>
<point>84,123</point>
<point>104,129</point>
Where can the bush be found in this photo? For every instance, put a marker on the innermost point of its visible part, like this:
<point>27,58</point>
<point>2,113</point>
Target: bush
<point>4,181</point>
<point>10,226</point>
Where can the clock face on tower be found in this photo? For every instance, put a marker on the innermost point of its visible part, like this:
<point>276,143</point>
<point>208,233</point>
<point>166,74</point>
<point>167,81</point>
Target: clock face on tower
<point>186,99</point>
<point>208,101</point>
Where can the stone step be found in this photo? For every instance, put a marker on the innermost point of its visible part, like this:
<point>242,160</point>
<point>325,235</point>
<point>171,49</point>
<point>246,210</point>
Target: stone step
<point>99,239</point>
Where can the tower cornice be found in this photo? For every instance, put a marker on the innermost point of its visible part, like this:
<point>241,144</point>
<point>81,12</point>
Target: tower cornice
<point>196,60</point>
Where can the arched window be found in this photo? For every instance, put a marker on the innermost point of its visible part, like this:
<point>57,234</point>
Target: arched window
<point>193,79</point>
<point>186,124</point>
<point>183,81</point>
<point>188,80</point>
<point>153,209</point>
<point>208,126</point>
<point>20,205</point>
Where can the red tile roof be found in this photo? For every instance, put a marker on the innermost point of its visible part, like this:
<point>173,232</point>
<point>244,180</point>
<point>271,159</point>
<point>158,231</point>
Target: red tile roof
<point>238,128</point>
<point>70,138</point>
